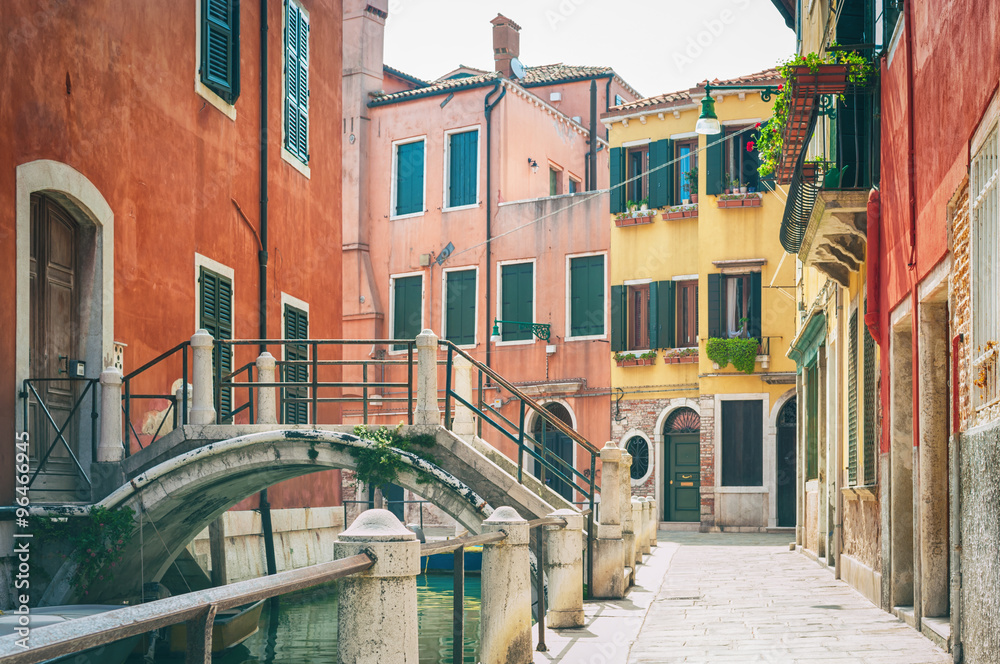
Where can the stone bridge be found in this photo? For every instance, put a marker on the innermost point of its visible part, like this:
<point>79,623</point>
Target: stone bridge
<point>183,482</point>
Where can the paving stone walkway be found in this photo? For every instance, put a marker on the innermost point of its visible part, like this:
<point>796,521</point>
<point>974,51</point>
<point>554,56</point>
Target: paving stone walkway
<point>747,598</point>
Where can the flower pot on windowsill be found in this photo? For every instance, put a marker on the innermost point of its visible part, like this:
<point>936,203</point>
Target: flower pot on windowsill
<point>674,214</point>
<point>828,79</point>
<point>752,200</point>
<point>694,198</point>
<point>630,362</point>
<point>644,361</point>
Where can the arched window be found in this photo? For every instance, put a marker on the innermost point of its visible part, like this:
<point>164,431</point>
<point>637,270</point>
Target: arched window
<point>639,449</point>
<point>683,420</point>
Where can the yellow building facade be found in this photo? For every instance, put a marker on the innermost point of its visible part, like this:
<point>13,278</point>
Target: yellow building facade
<point>714,445</point>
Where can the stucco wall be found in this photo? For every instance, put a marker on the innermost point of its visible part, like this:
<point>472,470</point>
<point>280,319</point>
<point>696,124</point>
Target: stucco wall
<point>980,532</point>
<point>862,524</point>
<point>108,88</point>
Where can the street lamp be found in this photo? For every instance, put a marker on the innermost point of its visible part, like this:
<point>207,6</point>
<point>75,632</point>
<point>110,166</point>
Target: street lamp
<point>708,121</point>
<point>540,330</point>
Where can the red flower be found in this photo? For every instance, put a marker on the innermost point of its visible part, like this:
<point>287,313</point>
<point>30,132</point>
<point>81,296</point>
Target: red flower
<point>750,145</point>
<point>780,86</point>
<point>757,126</point>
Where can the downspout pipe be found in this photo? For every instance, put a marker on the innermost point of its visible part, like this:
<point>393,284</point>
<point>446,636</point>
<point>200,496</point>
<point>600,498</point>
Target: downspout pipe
<point>488,107</point>
<point>592,155</point>
<point>264,505</point>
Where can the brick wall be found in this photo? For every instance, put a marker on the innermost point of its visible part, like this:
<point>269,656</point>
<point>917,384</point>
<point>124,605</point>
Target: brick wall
<point>960,299</point>
<point>707,406</point>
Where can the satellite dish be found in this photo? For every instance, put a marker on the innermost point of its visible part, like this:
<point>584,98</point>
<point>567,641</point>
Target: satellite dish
<point>517,68</point>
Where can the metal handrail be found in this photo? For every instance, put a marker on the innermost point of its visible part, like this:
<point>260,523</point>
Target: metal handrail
<point>180,414</point>
<point>195,608</point>
<point>28,389</point>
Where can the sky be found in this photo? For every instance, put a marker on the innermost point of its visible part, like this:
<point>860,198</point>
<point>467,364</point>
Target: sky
<point>657,46</point>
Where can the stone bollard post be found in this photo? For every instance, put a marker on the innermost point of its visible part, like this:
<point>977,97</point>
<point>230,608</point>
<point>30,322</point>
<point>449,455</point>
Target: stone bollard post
<point>564,570</point>
<point>377,608</point>
<point>203,403</point>
<point>654,522</point>
<point>505,619</point>
<point>637,535</point>
<point>179,396</point>
<point>642,534</point>
<point>109,447</point>
<point>267,402</point>
<point>628,523</point>
<point>427,411</point>
<point>463,424</point>
<point>609,547</point>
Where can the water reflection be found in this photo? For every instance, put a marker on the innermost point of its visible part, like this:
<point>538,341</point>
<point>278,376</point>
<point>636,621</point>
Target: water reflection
<point>303,629</point>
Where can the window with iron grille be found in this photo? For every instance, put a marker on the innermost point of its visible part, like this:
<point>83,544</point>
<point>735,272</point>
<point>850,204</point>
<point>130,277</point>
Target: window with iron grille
<point>985,273</point>
<point>871,396</point>
<point>852,402</point>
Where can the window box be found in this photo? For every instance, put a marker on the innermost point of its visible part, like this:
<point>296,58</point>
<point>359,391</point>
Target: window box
<point>644,360</point>
<point>634,218</point>
<point>829,79</point>
<point>681,212</point>
<point>739,200</point>
<point>681,357</point>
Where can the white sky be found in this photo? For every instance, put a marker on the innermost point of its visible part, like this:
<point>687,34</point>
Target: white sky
<point>656,45</point>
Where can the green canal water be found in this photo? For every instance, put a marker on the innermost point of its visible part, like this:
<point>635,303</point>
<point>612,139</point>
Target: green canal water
<point>304,630</point>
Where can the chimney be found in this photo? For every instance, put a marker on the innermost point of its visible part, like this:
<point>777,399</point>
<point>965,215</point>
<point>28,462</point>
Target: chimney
<point>506,43</point>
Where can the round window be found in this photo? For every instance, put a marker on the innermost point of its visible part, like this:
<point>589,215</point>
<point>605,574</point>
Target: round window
<point>639,449</point>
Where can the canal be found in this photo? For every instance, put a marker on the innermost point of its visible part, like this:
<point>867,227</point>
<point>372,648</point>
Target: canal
<point>304,630</point>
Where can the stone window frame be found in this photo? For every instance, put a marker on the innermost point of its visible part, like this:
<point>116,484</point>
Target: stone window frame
<point>623,443</point>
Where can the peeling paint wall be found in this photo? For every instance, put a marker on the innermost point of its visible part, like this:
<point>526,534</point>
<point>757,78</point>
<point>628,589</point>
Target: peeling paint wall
<point>862,532</point>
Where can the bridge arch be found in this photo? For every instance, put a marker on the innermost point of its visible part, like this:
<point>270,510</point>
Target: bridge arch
<point>178,498</point>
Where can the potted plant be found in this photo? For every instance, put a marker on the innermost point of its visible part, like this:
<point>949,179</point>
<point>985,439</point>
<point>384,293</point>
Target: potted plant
<point>644,205</point>
<point>692,179</point>
<point>646,359</point>
<point>674,212</point>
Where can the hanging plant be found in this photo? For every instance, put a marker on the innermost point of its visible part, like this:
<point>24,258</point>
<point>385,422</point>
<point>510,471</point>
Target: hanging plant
<point>718,351</point>
<point>742,353</point>
<point>380,463</point>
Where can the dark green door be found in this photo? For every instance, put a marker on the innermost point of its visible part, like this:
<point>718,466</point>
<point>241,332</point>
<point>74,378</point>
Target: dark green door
<point>683,480</point>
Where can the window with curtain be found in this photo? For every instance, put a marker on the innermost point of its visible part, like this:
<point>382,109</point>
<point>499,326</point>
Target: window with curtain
<point>737,301</point>
<point>687,158</point>
<point>741,163</point>
<point>637,166</point>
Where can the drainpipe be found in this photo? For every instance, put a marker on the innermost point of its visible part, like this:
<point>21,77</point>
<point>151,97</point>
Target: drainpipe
<point>265,506</point>
<point>607,105</point>
<point>488,107</point>
<point>955,517</point>
<point>592,155</point>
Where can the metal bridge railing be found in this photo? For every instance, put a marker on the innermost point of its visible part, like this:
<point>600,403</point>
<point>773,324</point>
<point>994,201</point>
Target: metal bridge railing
<point>178,412</point>
<point>30,395</point>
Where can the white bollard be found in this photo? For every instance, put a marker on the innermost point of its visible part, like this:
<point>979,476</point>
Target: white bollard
<point>267,402</point>
<point>637,535</point>
<point>564,570</point>
<point>377,608</point>
<point>463,424</point>
<point>609,547</point>
<point>203,406</point>
<point>642,534</point>
<point>505,617</point>
<point>427,411</point>
<point>109,447</point>
<point>654,525</point>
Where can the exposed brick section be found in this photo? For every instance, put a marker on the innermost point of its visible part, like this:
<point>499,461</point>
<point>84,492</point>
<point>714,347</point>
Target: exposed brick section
<point>707,408</point>
<point>960,300</point>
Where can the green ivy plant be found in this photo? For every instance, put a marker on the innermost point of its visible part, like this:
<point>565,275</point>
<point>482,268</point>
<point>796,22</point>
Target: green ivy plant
<point>769,141</point>
<point>380,463</point>
<point>742,353</point>
<point>96,541</point>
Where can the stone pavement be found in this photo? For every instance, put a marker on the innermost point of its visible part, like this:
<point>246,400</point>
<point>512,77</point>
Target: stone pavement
<point>738,598</point>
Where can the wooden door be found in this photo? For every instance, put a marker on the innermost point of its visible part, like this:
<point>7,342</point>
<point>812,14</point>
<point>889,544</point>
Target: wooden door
<point>54,339</point>
<point>683,480</point>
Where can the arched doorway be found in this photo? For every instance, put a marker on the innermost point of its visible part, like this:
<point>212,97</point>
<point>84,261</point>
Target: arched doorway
<point>54,344</point>
<point>682,466</point>
<point>555,445</point>
<point>785,470</point>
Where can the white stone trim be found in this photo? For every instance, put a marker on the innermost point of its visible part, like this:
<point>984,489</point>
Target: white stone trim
<point>446,168</point>
<point>202,90</point>
<point>684,135</point>
<point>636,282</point>
<point>91,208</point>
<point>569,321</point>
<point>631,433</point>
<point>685,277</point>
<point>898,317</point>
<point>201,261</point>
<point>392,181</point>
<point>444,302</point>
<point>934,285</point>
<point>534,299</point>
<point>637,143</point>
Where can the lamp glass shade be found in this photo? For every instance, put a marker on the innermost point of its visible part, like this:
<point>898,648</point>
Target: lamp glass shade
<point>495,336</point>
<point>708,121</point>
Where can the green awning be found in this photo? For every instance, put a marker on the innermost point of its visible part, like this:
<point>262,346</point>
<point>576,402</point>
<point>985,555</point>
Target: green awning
<point>805,346</point>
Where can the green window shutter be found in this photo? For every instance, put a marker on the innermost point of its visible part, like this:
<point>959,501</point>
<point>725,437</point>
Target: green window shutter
<point>715,306</point>
<point>463,157</point>
<point>664,316</point>
<point>220,48</point>
<point>619,318</point>
<point>871,400</point>
<point>516,300</point>
<point>653,321</point>
<point>216,316</point>
<point>410,178</point>
<point>460,307</point>
<point>661,179</point>
<point>586,296</point>
<point>296,327</point>
<point>296,82</point>
<point>756,294</point>
<point>617,160</point>
<point>714,164</point>
<point>852,401</point>
<point>407,308</point>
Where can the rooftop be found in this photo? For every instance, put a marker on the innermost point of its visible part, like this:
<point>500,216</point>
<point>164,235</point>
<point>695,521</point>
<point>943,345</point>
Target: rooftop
<point>687,97</point>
